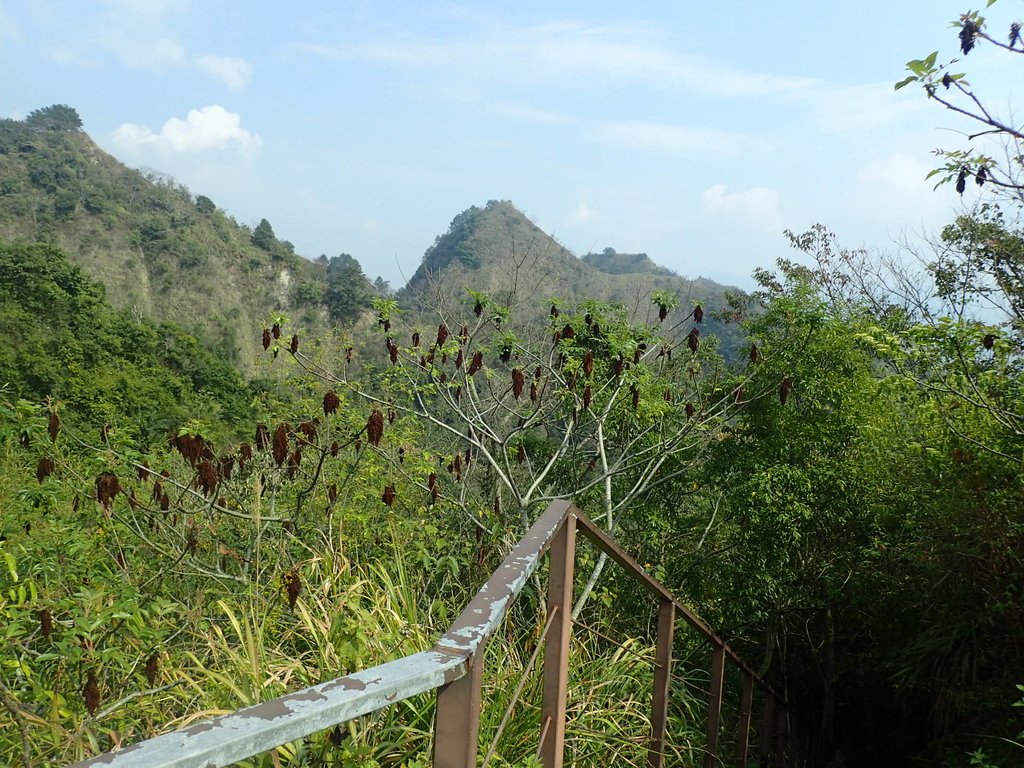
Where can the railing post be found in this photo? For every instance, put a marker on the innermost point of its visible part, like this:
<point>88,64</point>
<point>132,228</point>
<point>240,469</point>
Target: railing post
<point>556,646</point>
<point>715,704</point>
<point>457,728</point>
<point>662,676</point>
<point>746,705</point>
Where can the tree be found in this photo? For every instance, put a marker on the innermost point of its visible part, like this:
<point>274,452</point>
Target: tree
<point>205,205</point>
<point>995,135</point>
<point>348,291</point>
<point>263,236</point>
<point>58,117</point>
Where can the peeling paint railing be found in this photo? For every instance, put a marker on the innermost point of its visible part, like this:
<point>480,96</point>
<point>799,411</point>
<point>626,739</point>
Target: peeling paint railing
<point>453,667</point>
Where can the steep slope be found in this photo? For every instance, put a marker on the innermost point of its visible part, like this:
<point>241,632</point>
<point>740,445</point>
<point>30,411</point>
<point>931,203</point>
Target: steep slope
<point>498,250</point>
<point>160,252</point>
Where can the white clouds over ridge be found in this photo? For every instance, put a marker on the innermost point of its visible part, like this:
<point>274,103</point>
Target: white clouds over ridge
<point>207,128</point>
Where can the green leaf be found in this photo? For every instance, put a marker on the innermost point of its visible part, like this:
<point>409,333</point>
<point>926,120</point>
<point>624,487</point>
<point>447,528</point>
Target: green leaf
<point>904,82</point>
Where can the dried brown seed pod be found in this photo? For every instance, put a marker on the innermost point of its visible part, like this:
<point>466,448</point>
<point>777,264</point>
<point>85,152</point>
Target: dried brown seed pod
<point>617,365</point>
<point>554,311</point>
<point>434,493</point>
<point>689,410</point>
<point>457,465</point>
<point>662,312</point>
<point>698,314</point>
<point>45,623</point>
<point>533,392</point>
<point>276,330</point>
<point>989,341</point>
<point>443,377</point>
<point>521,454</point>
<point>308,430</point>
<point>459,360</point>
<point>784,389</point>
<point>280,449</point>
<point>392,352</point>
<point>53,427</point>
<point>244,455</point>
<point>266,339</point>
<point>226,466</point>
<point>292,586</point>
<point>44,468</point>
<point>442,334</point>
<point>506,354</point>
<point>693,339</point>
<point>335,447</point>
<point>476,363</point>
<point>191,540</point>
<point>91,692</point>
<point>587,397</point>
<point>107,487</point>
<point>556,337</point>
<point>518,382</point>
<point>755,353</point>
<point>415,338</point>
<point>358,444</point>
<point>348,354</point>
<point>392,415</point>
<point>332,493</point>
<point>294,461</point>
<point>165,502</point>
<point>568,332</point>
<point>458,393</point>
<point>375,427</point>
<point>262,439</point>
<point>142,471</point>
<point>478,308</point>
<point>294,346</point>
<point>152,669</point>
<point>961,180</point>
<point>588,363</point>
<point>464,334</point>
<point>331,402</point>
<point>388,497</point>
<point>206,480</point>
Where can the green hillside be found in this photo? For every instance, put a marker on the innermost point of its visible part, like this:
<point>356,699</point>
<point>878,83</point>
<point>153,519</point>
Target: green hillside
<point>161,252</point>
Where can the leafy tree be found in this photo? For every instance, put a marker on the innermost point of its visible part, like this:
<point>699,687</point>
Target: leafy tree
<point>205,205</point>
<point>348,292</point>
<point>263,236</point>
<point>58,117</point>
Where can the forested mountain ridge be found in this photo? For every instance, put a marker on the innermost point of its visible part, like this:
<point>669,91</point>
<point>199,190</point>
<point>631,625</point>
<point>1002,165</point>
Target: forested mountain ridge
<point>497,250</point>
<point>161,252</point>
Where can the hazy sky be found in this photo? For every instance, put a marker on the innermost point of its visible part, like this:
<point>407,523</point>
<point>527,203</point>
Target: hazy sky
<point>696,132</point>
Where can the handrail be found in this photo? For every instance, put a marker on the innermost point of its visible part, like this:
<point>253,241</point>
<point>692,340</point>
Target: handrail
<point>453,667</point>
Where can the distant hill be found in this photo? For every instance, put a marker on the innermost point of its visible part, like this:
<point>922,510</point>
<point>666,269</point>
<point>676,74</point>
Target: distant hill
<point>498,250</point>
<point>161,252</point>
<point>614,263</point>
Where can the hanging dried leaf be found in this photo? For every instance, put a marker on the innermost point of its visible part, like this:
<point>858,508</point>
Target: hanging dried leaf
<point>244,455</point>
<point>388,497</point>
<point>588,363</point>
<point>693,339</point>
<point>476,363</point>
<point>226,466</point>
<point>568,332</point>
<point>294,346</point>
<point>165,502</point>
<point>961,180</point>
<point>967,34</point>
<point>280,450</point>
<point>292,586</point>
<point>276,330</point>
<point>617,365</point>
<point>442,334</point>
<point>457,465</point>
<point>152,669</point>
<point>432,481</point>
<point>266,339</point>
<point>698,314</point>
<point>91,693</point>
<point>375,427</point>
<point>331,402</point>
<point>689,410</point>
<point>206,480</point>
<point>662,312</point>
<point>392,351</point>
<point>308,430</point>
<point>989,341</point>
<point>107,487</point>
<point>262,437</point>
<point>784,389</point>
<point>554,311</point>
<point>45,623</point>
<point>335,447</point>
<point>44,468</point>
<point>478,308</point>
<point>587,397</point>
<point>518,382</point>
<point>415,338</point>
<point>458,360</point>
<point>53,427</point>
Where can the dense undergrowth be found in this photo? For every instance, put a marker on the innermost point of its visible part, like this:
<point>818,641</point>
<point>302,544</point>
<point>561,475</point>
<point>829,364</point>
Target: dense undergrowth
<point>844,507</point>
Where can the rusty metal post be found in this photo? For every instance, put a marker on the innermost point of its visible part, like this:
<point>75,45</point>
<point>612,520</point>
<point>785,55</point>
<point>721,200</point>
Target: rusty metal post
<point>556,646</point>
<point>662,676</point>
<point>715,704</point>
<point>746,705</point>
<point>764,738</point>
<point>457,728</point>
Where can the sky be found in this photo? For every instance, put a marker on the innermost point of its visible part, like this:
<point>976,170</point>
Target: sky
<point>694,132</point>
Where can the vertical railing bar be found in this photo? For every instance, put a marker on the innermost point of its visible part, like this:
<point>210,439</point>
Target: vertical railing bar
<point>746,707</point>
<point>519,690</point>
<point>662,677</point>
<point>715,704</point>
<point>556,646</point>
<point>457,719</point>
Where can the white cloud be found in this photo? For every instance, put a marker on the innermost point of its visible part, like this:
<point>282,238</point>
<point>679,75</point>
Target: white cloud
<point>758,205</point>
<point>207,128</point>
<point>8,29</point>
<point>235,73</point>
<point>671,139</point>
<point>566,51</point>
<point>143,51</point>
<point>529,114</point>
<point>583,215</point>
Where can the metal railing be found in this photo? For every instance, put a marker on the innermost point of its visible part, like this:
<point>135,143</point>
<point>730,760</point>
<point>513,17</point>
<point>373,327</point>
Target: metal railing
<point>454,665</point>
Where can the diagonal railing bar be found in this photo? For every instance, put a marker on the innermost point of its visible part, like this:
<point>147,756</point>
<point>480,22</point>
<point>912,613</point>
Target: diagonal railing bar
<point>453,667</point>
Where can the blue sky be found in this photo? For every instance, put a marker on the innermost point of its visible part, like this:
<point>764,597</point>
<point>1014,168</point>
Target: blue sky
<point>695,132</point>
